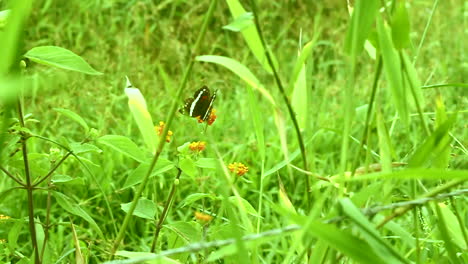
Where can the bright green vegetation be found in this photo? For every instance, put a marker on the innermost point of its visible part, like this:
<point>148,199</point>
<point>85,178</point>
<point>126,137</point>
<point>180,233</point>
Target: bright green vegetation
<point>353,129</point>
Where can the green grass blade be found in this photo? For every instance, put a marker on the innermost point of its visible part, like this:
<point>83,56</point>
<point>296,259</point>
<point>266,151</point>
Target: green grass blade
<point>251,36</point>
<point>370,233</point>
<point>243,72</point>
<point>392,69</point>
<point>400,26</point>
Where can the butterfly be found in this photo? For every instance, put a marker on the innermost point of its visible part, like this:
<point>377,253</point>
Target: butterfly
<point>200,105</point>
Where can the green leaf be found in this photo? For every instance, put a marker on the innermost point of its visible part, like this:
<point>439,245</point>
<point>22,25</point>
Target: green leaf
<point>145,208</point>
<point>78,148</point>
<point>344,241</point>
<point>195,197</point>
<point>243,72</point>
<point>136,176</point>
<point>73,208</point>
<point>243,204</point>
<point>60,58</point>
<point>361,24</point>
<point>207,163</point>
<point>385,144</point>
<point>400,26</point>
<point>241,22</point>
<point>444,233</point>
<point>187,165</point>
<point>252,37</point>
<point>10,35</point>
<point>258,124</point>
<point>434,147</point>
<point>413,79</point>
<point>454,232</point>
<point>299,99</point>
<point>73,116</point>
<point>187,231</point>
<point>123,145</point>
<point>137,105</point>
<point>393,71</point>
<point>370,233</point>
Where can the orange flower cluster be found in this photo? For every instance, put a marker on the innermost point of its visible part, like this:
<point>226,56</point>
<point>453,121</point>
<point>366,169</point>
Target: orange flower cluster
<point>203,217</point>
<point>210,119</point>
<point>159,129</point>
<point>197,146</point>
<point>238,168</point>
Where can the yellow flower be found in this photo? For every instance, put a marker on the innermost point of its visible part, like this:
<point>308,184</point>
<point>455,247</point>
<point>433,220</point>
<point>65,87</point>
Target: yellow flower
<point>4,217</point>
<point>238,168</point>
<point>197,146</point>
<point>159,129</point>
<point>203,217</point>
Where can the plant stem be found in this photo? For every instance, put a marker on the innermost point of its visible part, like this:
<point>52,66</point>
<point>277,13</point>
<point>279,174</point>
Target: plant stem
<point>29,188</point>
<point>163,216</point>
<point>162,140</point>
<point>9,174</point>
<point>285,98</point>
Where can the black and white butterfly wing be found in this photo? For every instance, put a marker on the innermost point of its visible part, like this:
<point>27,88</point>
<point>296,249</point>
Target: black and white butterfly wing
<point>200,105</point>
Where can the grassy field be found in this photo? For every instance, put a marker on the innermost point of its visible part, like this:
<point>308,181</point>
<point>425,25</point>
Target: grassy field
<point>339,133</point>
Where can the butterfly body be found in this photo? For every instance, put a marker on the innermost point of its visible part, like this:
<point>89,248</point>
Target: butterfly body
<point>200,105</point>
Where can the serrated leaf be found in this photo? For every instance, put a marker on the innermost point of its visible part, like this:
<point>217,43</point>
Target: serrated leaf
<point>145,208</point>
<point>70,206</point>
<point>123,145</point>
<point>241,22</point>
<point>60,58</point>
<point>74,116</point>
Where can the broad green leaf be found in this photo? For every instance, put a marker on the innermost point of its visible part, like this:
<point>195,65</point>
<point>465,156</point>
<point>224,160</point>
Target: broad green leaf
<point>241,22</point>
<point>400,26</point>
<point>300,62</point>
<point>206,163</point>
<point>187,165</point>
<point>137,105</point>
<point>123,145</point>
<point>145,208</point>
<point>187,231</point>
<point>252,37</point>
<point>258,124</point>
<point>243,72</point>
<point>393,71</point>
<point>370,233</point>
<point>345,242</point>
<point>73,116</point>
<point>362,19</point>
<point>442,160</point>
<point>60,58</point>
<point>79,148</point>
<point>136,176</point>
<point>73,208</point>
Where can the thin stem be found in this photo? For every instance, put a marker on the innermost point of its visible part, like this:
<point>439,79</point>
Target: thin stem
<point>29,188</point>
<point>90,173</point>
<point>13,177</point>
<point>285,98</point>
<point>49,204</point>
<point>162,142</point>
<point>423,38</point>
<point>434,192</point>
<point>53,169</point>
<point>165,211</point>
<point>369,112</point>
